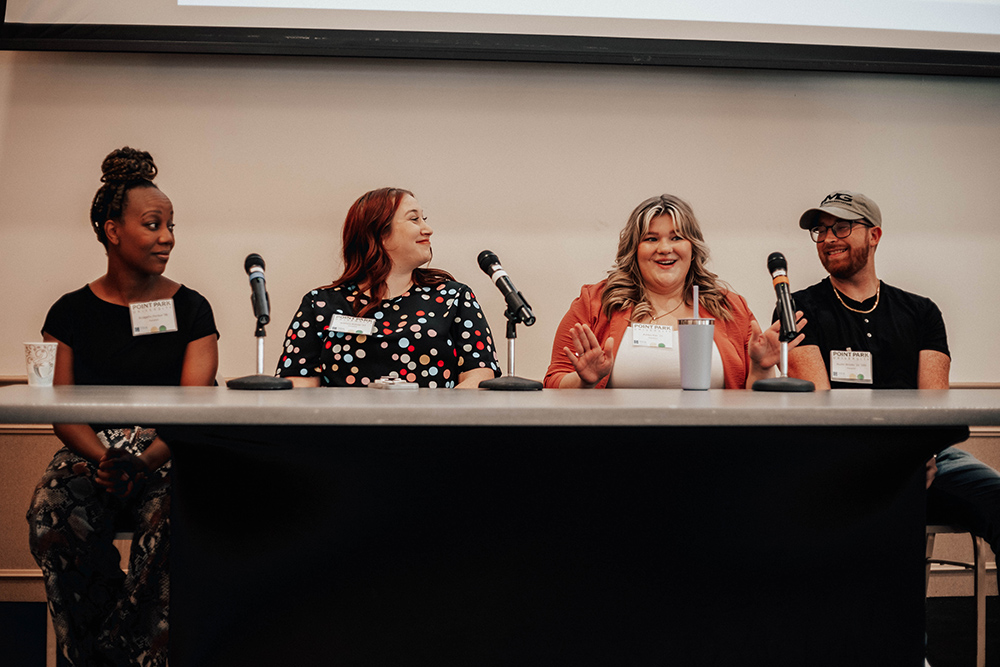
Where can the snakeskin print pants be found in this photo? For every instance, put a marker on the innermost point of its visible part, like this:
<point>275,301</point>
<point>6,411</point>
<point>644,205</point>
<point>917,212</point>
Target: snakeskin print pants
<point>101,615</point>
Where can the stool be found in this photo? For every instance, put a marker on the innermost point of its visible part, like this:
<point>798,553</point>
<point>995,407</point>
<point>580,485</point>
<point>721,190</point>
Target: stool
<point>123,542</point>
<point>978,567</point>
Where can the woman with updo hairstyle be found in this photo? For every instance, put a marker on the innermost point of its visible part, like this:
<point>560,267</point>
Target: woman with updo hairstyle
<point>662,255</point>
<point>388,315</point>
<point>131,326</point>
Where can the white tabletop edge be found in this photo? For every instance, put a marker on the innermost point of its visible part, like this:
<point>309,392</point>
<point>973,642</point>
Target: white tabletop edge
<point>21,404</point>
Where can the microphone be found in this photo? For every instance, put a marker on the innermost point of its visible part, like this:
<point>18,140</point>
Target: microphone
<point>254,266</point>
<point>516,304</point>
<point>778,268</point>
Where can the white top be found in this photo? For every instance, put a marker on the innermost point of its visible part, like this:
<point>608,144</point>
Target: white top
<point>644,367</point>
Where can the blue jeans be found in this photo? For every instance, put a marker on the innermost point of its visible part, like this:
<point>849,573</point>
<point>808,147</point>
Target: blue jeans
<point>966,493</point>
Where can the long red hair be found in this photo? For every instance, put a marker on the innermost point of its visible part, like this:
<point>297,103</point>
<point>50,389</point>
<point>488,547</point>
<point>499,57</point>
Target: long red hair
<point>366,262</point>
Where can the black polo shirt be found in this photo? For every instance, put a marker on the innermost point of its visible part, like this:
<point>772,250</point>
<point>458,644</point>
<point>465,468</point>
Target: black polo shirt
<point>895,332</point>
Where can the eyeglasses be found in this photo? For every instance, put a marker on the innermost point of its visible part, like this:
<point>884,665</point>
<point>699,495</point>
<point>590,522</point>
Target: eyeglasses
<point>840,229</point>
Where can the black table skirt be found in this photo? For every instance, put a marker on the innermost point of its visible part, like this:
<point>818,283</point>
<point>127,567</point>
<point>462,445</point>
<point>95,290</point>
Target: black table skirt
<point>548,545</point>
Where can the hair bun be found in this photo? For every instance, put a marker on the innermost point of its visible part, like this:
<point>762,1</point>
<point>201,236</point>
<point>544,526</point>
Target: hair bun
<point>127,165</point>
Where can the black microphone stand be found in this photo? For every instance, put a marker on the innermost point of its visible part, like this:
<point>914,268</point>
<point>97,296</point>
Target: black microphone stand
<point>784,383</point>
<point>511,382</point>
<point>778,268</point>
<point>260,381</point>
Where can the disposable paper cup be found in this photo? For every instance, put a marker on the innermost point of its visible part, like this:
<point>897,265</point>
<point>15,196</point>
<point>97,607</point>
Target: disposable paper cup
<point>695,336</point>
<point>41,363</point>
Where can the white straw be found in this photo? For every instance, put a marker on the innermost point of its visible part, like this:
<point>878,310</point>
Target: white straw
<point>696,301</point>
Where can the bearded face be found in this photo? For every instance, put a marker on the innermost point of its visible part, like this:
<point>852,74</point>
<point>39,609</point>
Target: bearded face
<point>841,258</point>
<point>845,257</point>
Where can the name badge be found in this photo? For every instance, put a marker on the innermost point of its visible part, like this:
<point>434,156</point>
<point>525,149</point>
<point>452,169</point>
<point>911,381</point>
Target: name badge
<point>152,317</point>
<point>848,366</point>
<point>652,335</point>
<point>352,325</point>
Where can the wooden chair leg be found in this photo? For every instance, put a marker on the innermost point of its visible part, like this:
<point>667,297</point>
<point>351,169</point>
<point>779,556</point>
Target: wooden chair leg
<point>928,554</point>
<point>980,552</point>
<point>979,584</point>
<point>123,542</point>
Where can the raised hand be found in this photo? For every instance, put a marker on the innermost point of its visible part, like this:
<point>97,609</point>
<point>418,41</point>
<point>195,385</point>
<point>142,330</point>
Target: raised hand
<point>591,361</point>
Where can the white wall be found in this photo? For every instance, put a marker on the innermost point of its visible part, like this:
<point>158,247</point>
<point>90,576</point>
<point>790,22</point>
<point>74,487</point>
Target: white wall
<point>540,163</point>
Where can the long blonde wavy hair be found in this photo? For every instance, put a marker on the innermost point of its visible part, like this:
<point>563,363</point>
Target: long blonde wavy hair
<point>625,286</point>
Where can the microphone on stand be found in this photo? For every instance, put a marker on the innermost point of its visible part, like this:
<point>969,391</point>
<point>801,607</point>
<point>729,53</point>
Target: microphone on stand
<point>778,268</point>
<point>254,266</point>
<point>518,310</point>
<point>490,264</point>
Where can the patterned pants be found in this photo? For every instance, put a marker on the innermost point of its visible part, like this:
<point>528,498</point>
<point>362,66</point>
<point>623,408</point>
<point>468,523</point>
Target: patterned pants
<point>102,616</point>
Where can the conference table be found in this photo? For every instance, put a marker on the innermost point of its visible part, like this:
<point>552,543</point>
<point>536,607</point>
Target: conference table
<point>561,527</point>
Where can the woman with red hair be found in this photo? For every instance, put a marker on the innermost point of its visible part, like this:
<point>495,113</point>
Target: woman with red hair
<point>386,316</point>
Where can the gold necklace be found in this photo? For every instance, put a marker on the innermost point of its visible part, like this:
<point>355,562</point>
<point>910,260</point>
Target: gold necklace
<point>878,291</point>
<point>669,311</point>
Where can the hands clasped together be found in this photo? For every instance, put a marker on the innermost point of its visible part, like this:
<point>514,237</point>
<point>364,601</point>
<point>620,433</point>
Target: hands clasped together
<point>121,472</point>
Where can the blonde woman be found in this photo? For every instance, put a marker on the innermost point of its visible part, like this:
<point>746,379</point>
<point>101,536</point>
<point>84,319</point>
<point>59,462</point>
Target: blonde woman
<point>661,256</point>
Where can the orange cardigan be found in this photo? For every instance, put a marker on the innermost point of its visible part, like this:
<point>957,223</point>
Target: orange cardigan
<point>731,336</point>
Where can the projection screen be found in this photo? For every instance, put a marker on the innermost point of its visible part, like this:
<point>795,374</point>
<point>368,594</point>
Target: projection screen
<point>902,36</point>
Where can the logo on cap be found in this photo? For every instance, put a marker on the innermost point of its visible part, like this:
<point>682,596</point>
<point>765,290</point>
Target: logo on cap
<point>838,198</point>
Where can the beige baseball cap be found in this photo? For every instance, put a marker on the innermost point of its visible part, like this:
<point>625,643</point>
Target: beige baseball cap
<point>846,206</point>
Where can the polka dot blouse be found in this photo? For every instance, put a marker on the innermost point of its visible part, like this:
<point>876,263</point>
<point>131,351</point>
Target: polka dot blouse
<point>429,335</point>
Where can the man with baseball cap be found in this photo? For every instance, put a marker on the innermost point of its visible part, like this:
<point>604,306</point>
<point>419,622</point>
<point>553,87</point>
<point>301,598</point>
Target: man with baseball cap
<point>864,333</point>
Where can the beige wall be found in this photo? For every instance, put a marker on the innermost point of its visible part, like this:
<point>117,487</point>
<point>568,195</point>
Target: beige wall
<point>540,163</point>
